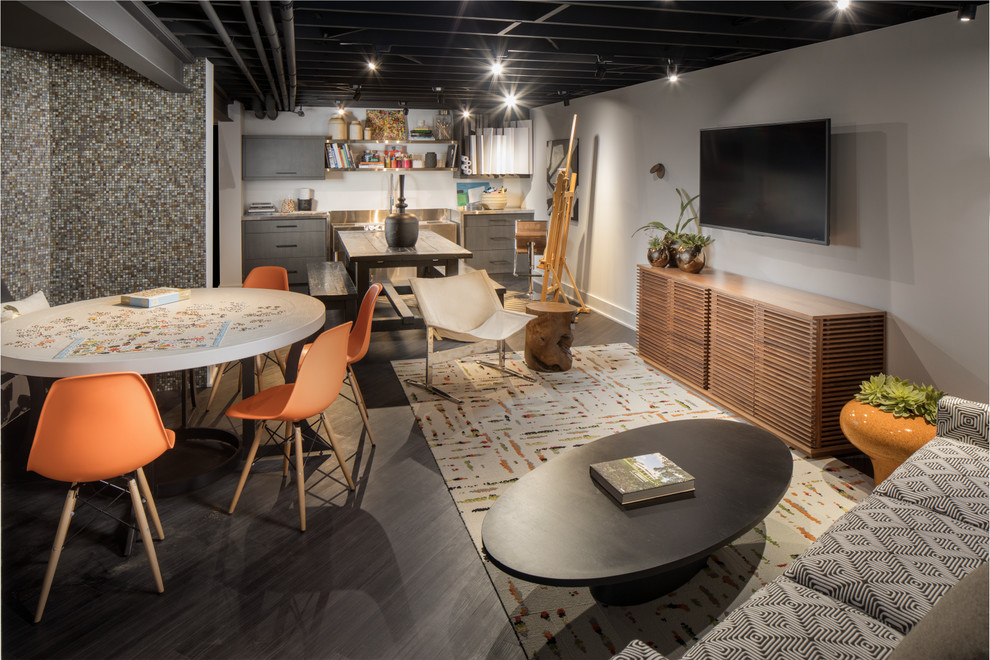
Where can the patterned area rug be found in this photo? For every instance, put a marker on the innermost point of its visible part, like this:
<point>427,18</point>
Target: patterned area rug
<point>507,427</point>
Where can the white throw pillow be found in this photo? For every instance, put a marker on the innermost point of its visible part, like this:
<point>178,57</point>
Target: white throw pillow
<point>15,308</point>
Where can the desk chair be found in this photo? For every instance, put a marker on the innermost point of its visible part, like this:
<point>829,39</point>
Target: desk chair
<point>260,277</point>
<point>465,308</point>
<point>318,383</point>
<point>531,239</point>
<point>96,428</point>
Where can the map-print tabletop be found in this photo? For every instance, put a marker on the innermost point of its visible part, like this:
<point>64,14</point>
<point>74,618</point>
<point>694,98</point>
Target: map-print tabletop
<point>213,325</point>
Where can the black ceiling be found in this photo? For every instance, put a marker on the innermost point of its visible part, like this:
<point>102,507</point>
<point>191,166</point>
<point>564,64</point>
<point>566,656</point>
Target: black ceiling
<point>550,50</point>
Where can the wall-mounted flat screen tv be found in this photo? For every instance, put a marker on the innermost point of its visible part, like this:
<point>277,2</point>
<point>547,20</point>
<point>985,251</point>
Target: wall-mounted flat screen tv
<point>770,179</point>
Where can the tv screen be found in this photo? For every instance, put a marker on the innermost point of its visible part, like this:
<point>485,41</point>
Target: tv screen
<point>771,179</point>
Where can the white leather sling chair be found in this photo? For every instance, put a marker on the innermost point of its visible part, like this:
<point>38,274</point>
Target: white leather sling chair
<point>465,308</point>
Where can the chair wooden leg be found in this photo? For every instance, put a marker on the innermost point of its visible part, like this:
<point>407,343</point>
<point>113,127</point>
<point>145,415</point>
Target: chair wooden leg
<point>259,368</point>
<point>285,450</point>
<point>259,430</point>
<point>60,534</point>
<point>149,544</point>
<point>300,477</point>
<point>216,384</point>
<point>280,361</point>
<point>152,509</point>
<point>359,399</point>
<point>338,454</point>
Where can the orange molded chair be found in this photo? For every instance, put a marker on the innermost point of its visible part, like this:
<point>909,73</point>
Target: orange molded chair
<point>357,347</point>
<point>94,428</point>
<point>317,385</point>
<point>260,277</point>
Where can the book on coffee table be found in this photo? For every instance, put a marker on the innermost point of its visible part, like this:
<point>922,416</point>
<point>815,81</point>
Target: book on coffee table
<point>641,478</point>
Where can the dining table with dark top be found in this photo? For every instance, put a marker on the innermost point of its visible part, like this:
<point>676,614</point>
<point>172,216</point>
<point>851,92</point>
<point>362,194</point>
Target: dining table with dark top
<point>433,256</point>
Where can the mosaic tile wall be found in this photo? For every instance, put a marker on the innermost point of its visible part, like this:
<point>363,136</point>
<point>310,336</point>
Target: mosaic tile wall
<point>25,145</point>
<point>128,180</point>
<point>103,177</point>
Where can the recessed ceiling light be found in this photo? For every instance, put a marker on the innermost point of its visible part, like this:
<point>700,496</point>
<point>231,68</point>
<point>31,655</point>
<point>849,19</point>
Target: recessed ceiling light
<point>842,5</point>
<point>466,114</point>
<point>496,68</point>
<point>510,100</point>
<point>372,65</point>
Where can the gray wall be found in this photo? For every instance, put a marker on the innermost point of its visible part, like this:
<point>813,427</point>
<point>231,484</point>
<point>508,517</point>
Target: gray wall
<point>909,184</point>
<point>104,177</point>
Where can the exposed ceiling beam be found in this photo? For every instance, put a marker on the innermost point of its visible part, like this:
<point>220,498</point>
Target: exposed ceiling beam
<point>112,29</point>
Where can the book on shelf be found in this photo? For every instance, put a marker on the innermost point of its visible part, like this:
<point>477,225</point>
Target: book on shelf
<point>155,297</point>
<point>642,478</point>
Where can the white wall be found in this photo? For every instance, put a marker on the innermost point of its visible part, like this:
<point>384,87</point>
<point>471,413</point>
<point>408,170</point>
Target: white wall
<point>909,184</point>
<point>231,196</point>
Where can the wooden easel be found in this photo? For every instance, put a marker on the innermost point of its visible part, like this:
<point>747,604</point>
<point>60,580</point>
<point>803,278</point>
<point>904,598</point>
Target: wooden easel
<point>554,261</point>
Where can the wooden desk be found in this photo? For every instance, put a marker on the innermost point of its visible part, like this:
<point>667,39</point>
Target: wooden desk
<point>365,251</point>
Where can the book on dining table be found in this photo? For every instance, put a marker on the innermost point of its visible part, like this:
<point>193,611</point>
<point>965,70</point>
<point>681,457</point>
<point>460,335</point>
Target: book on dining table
<point>642,478</point>
<point>155,297</point>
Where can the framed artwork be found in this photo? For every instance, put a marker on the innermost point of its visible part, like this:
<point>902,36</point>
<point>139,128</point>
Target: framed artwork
<point>556,155</point>
<point>387,124</point>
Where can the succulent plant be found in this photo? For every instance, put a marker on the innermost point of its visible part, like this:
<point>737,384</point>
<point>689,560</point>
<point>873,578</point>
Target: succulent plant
<point>900,397</point>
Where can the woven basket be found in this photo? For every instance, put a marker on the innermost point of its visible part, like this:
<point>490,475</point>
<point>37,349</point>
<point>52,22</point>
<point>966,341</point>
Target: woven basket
<point>493,201</point>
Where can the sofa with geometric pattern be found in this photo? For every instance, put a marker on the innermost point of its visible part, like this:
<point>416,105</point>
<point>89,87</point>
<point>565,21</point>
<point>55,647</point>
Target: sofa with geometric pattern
<point>912,554</point>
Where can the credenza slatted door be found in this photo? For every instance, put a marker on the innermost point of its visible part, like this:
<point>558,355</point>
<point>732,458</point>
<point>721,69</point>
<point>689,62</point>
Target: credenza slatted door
<point>787,389</point>
<point>673,327</point>
<point>784,359</point>
<point>653,317</point>
<point>732,359</point>
<point>850,347</point>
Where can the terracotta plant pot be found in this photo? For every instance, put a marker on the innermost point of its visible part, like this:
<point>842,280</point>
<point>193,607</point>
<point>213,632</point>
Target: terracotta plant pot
<point>886,439</point>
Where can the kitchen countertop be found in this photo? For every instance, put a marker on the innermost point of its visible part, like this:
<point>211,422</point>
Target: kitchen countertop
<point>282,216</point>
<point>491,212</point>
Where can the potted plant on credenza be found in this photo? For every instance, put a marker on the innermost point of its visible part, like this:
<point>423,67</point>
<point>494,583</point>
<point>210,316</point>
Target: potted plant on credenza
<point>669,239</point>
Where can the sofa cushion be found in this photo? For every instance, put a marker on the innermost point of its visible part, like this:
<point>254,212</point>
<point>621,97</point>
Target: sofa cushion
<point>966,421</point>
<point>787,621</point>
<point>945,476</point>
<point>956,627</point>
<point>638,650</point>
<point>891,559</point>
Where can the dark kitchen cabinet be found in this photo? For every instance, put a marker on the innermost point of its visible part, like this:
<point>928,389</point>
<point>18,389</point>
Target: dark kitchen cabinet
<point>282,157</point>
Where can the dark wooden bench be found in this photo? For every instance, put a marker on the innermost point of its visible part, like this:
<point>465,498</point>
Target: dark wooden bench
<point>330,283</point>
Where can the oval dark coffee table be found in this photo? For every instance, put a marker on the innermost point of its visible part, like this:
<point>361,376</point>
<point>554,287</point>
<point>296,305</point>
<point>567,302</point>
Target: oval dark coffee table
<point>555,526</point>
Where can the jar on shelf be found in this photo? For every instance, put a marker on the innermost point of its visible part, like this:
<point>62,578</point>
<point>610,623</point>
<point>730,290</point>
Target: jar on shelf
<point>442,125</point>
<point>355,132</point>
<point>337,128</point>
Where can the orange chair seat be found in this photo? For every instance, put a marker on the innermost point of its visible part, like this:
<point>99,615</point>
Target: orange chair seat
<point>266,404</point>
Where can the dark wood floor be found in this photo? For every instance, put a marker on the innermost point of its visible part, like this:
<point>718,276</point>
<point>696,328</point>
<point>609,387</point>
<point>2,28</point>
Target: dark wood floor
<point>387,571</point>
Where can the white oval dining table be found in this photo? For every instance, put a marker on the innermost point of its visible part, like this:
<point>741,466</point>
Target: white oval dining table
<point>213,326</point>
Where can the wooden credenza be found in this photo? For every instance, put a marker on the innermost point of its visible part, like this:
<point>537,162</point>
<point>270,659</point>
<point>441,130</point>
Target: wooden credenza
<point>785,360</point>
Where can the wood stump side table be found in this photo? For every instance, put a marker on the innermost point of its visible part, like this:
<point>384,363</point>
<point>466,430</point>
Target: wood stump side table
<point>548,336</point>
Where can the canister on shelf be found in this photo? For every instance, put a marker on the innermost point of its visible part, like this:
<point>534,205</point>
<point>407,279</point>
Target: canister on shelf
<point>355,131</point>
<point>369,133</point>
<point>337,128</point>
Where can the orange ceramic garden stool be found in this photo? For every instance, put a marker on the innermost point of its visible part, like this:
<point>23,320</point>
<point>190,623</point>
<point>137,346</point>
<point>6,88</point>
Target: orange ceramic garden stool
<point>886,439</point>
